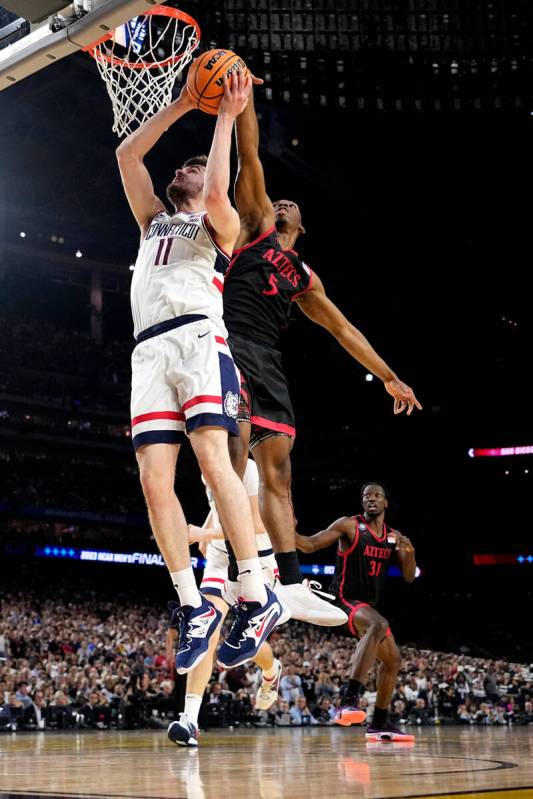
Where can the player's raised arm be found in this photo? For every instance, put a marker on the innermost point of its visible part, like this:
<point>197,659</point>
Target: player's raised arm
<point>320,309</point>
<point>343,527</point>
<point>255,208</point>
<point>222,216</point>
<point>207,532</point>
<point>405,552</point>
<point>136,179</point>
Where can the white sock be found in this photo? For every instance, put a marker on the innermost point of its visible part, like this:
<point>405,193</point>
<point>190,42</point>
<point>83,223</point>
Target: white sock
<point>192,708</point>
<point>185,585</point>
<point>269,674</point>
<point>251,581</point>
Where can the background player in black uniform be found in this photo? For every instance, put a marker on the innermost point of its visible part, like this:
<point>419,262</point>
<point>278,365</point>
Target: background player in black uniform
<point>366,547</point>
<point>264,278</point>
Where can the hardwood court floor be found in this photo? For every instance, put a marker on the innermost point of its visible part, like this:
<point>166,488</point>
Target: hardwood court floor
<point>269,764</point>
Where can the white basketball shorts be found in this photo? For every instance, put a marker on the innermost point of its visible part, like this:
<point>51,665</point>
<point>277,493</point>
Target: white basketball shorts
<point>215,579</point>
<point>182,379</point>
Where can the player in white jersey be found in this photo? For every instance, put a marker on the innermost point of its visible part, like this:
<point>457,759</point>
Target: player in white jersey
<point>224,594</point>
<point>183,376</point>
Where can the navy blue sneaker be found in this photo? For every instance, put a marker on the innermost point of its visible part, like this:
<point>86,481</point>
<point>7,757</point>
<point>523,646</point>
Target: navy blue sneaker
<point>252,626</point>
<point>183,732</point>
<point>196,626</point>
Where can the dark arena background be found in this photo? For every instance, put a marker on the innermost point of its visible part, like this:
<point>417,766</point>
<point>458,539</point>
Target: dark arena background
<point>403,129</point>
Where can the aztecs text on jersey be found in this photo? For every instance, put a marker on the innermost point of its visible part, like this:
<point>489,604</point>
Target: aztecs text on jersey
<point>361,570</point>
<point>179,270</point>
<point>262,281</point>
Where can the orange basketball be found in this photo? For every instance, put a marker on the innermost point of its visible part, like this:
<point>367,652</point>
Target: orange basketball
<point>205,76</point>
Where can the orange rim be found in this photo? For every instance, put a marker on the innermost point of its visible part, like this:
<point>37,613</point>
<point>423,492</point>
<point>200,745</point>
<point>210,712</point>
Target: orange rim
<point>162,11</point>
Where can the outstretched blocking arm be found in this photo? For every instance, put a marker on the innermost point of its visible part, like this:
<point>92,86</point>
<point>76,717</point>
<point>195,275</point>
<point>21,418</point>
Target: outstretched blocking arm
<point>222,216</point>
<point>342,528</point>
<point>320,309</point>
<point>207,532</point>
<point>136,179</point>
<point>254,206</point>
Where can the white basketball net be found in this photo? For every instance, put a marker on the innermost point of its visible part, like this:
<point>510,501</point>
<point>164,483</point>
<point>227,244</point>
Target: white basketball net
<point>139,85</point>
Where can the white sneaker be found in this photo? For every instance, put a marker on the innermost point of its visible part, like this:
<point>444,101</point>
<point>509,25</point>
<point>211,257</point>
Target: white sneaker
<point>268,690</point>
<point>305,605</point>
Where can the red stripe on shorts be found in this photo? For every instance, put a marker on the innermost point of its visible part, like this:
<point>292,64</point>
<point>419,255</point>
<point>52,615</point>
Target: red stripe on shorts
<point>219,284</point>
<point>278,427</point>
<point>148,417</point>
<point>221,340</point>
<point>353,611</point>
<point>199,400</point>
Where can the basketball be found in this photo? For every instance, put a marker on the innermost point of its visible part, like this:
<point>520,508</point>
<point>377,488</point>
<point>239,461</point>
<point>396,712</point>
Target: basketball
<point>205,76</point>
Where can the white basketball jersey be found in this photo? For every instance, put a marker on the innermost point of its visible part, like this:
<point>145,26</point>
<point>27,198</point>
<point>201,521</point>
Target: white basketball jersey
<point>251,484</point>
<point>179,270</point>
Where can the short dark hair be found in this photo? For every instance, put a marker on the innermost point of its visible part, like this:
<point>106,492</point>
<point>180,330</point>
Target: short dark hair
<point>375,483</point>
<point>196,160</point>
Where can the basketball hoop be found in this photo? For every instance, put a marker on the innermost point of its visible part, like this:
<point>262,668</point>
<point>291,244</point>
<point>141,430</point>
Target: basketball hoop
<point>140,61</point>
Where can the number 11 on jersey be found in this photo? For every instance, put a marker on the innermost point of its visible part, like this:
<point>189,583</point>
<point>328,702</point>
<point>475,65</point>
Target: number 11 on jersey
<point>163,252</point>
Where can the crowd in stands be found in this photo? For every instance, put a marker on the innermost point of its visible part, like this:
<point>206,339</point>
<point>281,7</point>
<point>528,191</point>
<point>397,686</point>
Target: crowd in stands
<point>73,481</point>
<point>62,367</point>
<point>64,425</point>
<point>82,662</point>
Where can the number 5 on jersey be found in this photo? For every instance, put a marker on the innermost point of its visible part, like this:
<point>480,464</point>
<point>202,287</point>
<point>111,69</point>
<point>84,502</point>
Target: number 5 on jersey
<point>273,282</point>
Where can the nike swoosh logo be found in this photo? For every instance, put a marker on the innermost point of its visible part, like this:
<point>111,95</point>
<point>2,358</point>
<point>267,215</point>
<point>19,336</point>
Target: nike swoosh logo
<point>208,615</point>
<point>267,618</point>
<point>247,571</point>
<point>204,334</point>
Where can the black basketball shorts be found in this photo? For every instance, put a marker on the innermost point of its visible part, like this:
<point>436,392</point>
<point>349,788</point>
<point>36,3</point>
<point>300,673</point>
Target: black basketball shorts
<point>265,400</point>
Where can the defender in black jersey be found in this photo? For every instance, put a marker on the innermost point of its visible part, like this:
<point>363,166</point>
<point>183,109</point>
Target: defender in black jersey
<point>365,548</point>
<point>265,278</point>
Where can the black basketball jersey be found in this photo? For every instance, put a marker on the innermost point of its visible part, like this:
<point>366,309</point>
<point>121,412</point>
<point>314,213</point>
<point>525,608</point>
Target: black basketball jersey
<point>261,283</point>
<point>361,570</point>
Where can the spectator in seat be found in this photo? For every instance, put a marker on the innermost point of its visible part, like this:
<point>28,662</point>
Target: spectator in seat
<point>308,679</point>
<point>291,685</point>
<point>324,712</point>
<point>463,715</point>
<point>96,711</point>
<point>282,715</point>
<point>527,716</point>
<point>419,714</point>
<point>398,714</point>
<point>324,686</point>
<point>243,712</point>
<point>35,716</point>
<point>218,706</point>
<point>23,694</point>
<point>300,713</point>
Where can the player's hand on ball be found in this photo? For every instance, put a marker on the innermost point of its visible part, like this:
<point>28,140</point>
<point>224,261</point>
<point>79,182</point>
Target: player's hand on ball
<point>404,396</point>
<point>236,93</point>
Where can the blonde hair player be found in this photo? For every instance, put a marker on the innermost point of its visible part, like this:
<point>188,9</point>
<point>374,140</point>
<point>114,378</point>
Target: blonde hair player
<point>184,380</point>
<point>224,594</point>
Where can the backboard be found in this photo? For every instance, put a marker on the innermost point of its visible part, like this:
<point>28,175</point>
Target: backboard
<point>72,28</point>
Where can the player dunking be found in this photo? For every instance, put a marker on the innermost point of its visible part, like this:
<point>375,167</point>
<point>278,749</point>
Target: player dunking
<point>183,375</point>
<point>222,594</point>
<point>366,547</point>
<point>265,277</point>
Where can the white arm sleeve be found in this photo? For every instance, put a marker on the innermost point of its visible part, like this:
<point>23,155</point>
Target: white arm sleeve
<point>251,479</point>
